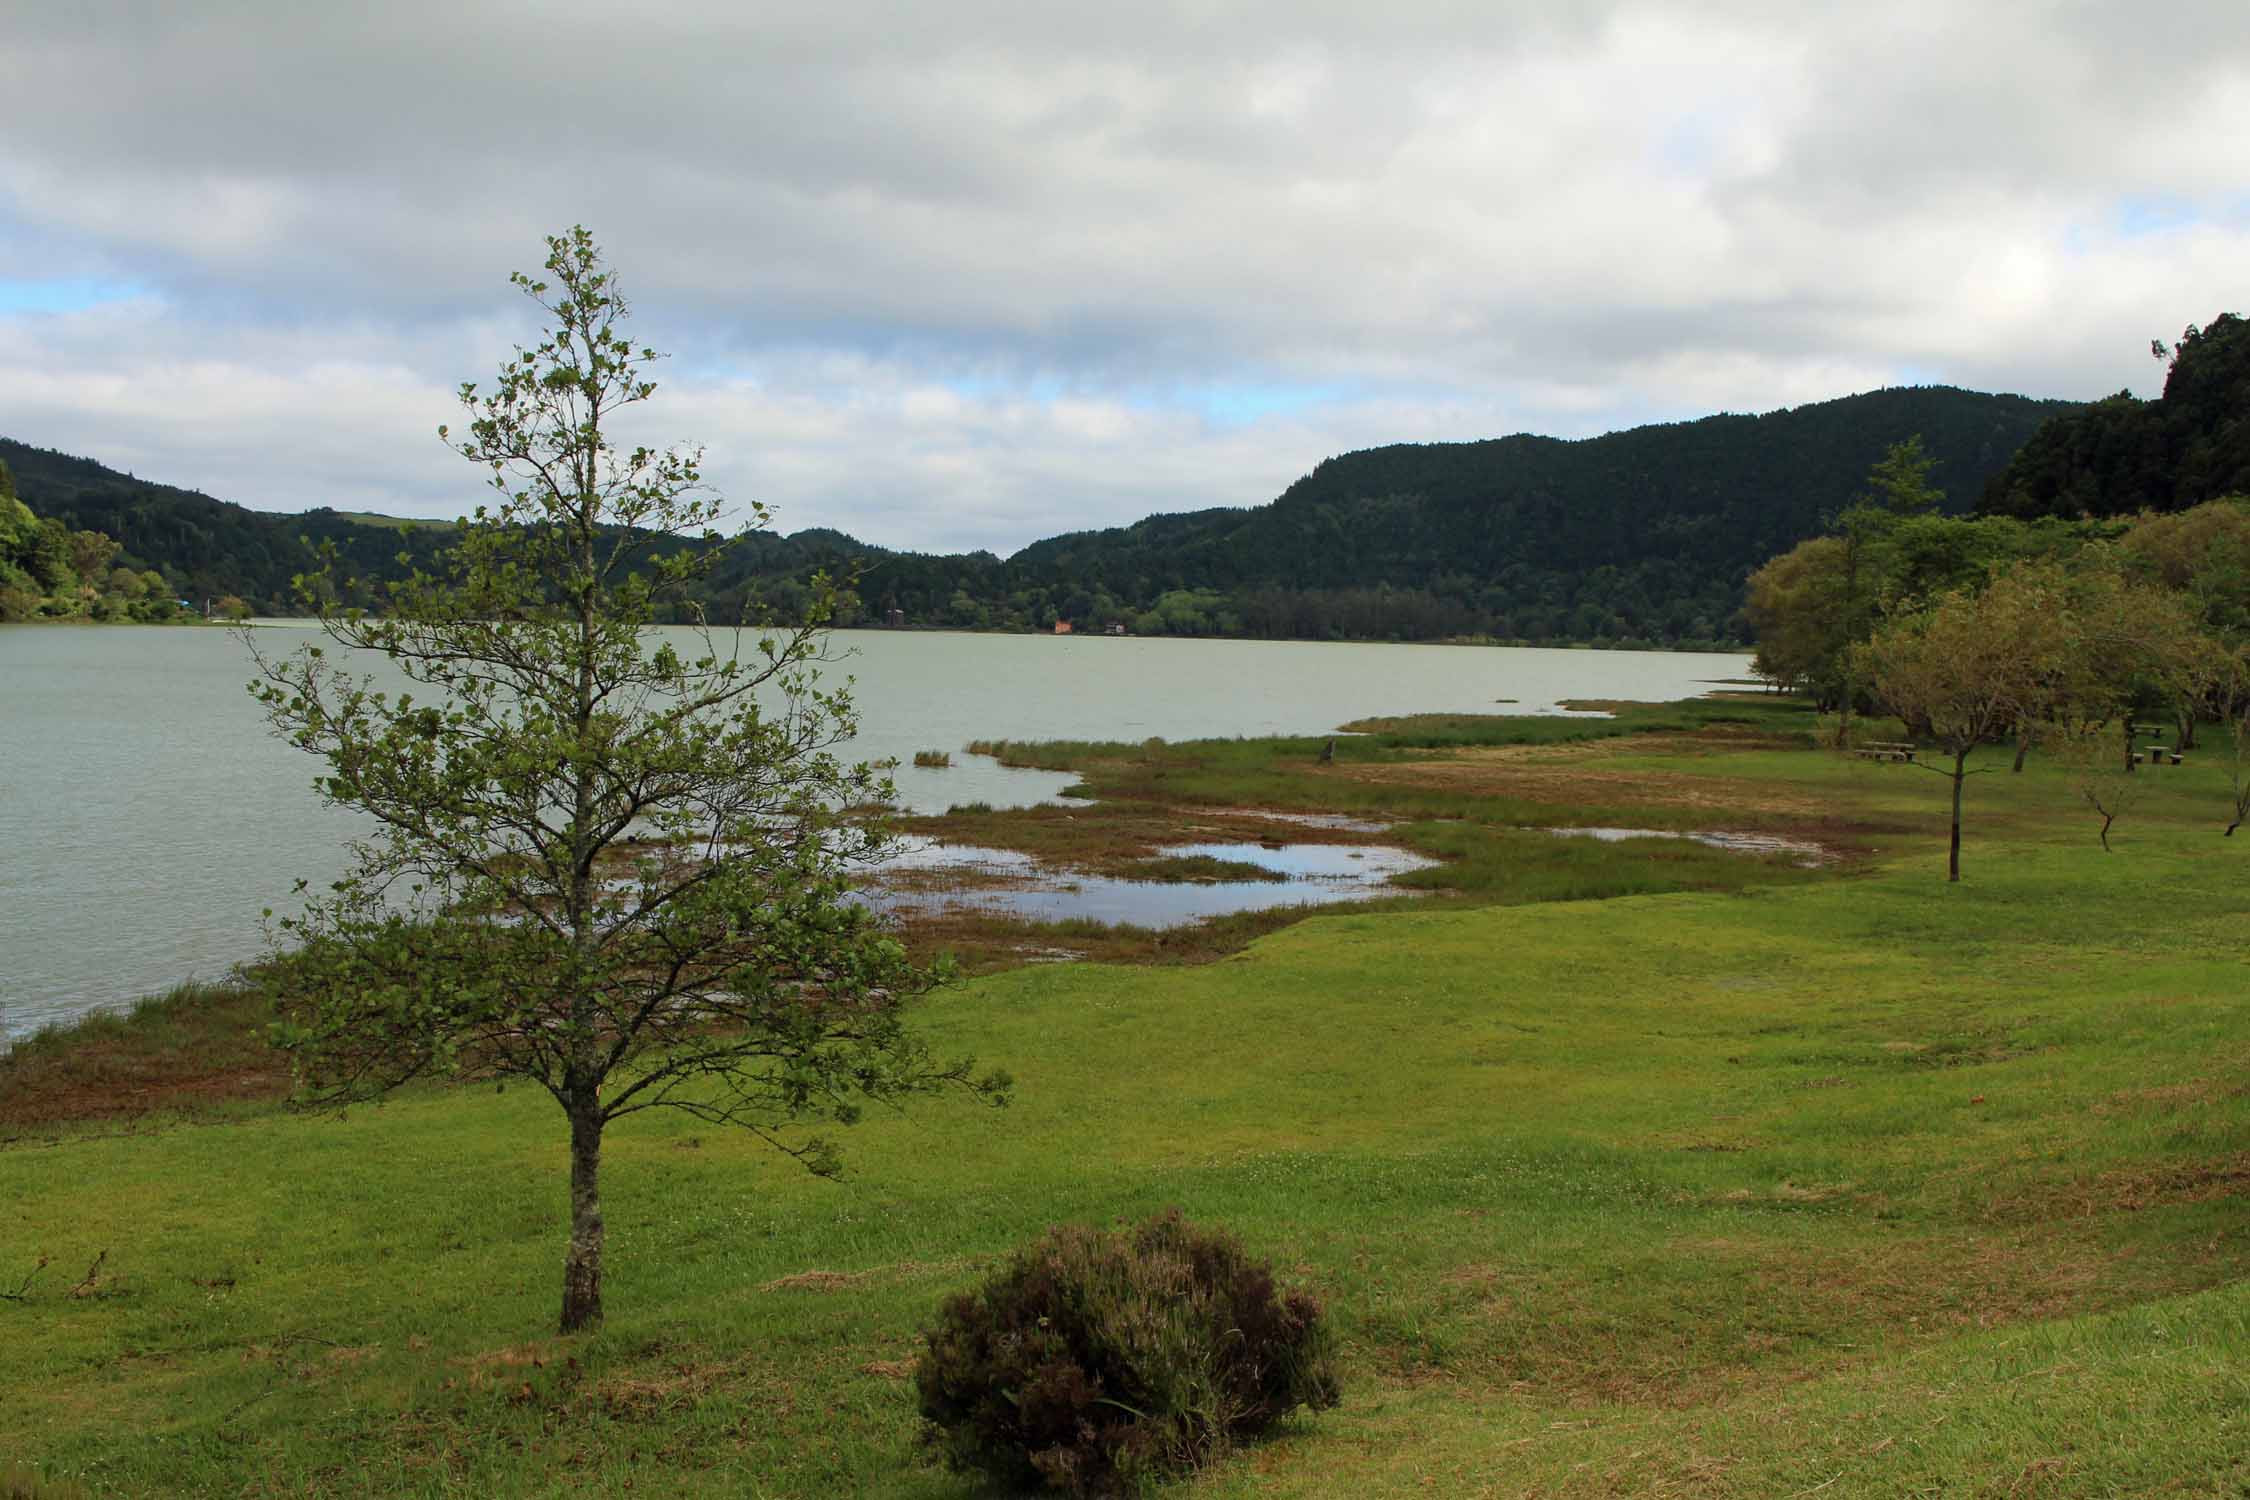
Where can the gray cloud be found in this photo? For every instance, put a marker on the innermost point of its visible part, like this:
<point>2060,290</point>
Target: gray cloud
<point>966,275</point>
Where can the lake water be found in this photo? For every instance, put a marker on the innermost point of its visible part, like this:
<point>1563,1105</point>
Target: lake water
<point>147,817</point>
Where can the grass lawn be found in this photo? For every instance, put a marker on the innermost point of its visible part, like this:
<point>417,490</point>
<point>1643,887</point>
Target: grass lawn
<point>1846,1182</point>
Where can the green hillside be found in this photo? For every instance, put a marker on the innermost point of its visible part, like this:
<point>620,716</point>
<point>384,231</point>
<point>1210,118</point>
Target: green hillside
<point>1638,536</point>
<point>1644,533</point>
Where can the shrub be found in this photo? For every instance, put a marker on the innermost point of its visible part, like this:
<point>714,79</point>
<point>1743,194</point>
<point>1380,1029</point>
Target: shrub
<point>1098,1361</point>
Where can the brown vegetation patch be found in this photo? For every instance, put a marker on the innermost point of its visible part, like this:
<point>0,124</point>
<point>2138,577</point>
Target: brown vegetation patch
<point>190,1053</point>
<point>2127,1190</point>
<point>1121,831</point>
<point>969,875</point>
<point>815,1281</point>
<point>516,1357</point>
<point>838,1281</point>
<point>1566,778</point>
<point>643,1395</point>
<point>985,942</point>
<point>2169,1098</point>
<point>889,1369</point>
<point>102,1091</point>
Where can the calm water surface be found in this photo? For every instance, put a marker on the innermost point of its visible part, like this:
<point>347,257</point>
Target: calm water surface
<point>147,818</point>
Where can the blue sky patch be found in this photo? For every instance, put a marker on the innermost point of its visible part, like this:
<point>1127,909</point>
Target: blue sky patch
<point>63,295</point>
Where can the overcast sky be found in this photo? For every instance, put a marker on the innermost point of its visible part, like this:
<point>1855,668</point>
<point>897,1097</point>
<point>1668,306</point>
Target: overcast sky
<point>961,274</point>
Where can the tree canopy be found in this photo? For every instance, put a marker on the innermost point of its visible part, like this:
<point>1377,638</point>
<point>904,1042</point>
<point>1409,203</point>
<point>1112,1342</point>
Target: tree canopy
<point>598,863</point>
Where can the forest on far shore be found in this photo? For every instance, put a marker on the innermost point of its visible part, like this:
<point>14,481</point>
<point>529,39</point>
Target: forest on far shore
<point>1637,538</point>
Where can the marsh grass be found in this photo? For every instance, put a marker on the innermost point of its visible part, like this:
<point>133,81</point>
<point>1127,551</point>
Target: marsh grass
<point>1189,869</point>
<point>197,1047</point>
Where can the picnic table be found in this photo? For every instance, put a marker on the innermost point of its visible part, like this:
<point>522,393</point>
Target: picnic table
<point>1885,750</point>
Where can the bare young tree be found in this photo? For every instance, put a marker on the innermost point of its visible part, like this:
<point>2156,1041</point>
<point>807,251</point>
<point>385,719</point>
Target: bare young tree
<point>2096,755</point>
<point>599,863</point>
<point>2230,690</point>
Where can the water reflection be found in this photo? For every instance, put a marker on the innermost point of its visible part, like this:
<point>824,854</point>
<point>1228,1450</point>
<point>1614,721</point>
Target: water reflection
<point>935,878</point>
<point>1808,853</point>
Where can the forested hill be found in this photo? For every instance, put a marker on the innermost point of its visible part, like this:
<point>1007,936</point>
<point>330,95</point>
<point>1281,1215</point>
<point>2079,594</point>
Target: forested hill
<point>206,548</point>
<point>2123,455</point>
<point>1645,533</point>
<point>1642,536</point>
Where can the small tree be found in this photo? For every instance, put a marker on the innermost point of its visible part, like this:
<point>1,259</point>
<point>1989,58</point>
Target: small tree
<point>2230,678</point>
<point>2040,642</point>
<point>598,864</point>
<point>2098,759</point>
<point>1969,669</point>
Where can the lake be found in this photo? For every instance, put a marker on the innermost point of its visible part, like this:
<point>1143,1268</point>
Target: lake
<point>147,817</point>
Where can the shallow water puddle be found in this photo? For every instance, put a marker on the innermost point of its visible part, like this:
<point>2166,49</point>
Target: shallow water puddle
<point>934,877</point>
<point>1808,854</point>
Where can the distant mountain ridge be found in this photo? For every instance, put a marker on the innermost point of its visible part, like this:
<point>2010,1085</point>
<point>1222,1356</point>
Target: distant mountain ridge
<point>1642,535</point>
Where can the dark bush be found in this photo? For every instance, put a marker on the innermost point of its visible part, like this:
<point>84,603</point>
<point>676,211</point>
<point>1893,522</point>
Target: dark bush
<point>1098,1361</point>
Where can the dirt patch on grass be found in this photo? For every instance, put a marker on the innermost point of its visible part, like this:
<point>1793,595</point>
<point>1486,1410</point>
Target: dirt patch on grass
<point>645,1394</point>
<point>815,1281</point>
<point>2132,1189</point>
<point>889,1369</point>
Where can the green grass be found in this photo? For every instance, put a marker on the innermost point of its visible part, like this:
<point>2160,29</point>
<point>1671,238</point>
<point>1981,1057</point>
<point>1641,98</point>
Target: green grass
<point>1848,1183</point>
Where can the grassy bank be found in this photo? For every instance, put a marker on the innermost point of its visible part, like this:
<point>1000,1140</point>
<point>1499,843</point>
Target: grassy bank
<point>1839,1181</point>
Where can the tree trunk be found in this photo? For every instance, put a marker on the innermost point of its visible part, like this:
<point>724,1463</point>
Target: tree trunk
<point>582,1266</point>
<point>1960,774</point>
<point>2023,747</point>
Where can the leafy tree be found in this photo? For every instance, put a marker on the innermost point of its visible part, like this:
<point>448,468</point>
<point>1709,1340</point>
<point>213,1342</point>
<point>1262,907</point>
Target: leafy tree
<point>1795,604</point>
<point>1900,480</point>
<point>2041,643</point>
<point>2203,552</point>
<point>1966,671</point>
<point>598,864</point>
<point>1815,603</point>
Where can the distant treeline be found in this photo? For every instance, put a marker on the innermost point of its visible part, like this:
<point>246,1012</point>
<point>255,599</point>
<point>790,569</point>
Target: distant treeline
<point>1638,537</point>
